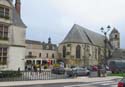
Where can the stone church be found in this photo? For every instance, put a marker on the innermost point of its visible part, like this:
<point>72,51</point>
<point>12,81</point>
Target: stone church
<point>85,47</point>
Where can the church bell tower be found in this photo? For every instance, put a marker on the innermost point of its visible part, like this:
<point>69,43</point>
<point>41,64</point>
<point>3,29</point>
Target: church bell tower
<point>115,38</point>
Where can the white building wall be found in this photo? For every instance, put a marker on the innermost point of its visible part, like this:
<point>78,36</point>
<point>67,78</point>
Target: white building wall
<point>36,52</point>
<point>16,58</point>
<point>17,35</point>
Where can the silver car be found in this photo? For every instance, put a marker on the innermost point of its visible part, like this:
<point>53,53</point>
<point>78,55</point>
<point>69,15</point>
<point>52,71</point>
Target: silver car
<point>78,72</point>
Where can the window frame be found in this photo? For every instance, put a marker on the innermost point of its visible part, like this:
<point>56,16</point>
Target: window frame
<point>78,51</point>
<point>4,30</point>
<point>3,58</point>
<point>5,12</point>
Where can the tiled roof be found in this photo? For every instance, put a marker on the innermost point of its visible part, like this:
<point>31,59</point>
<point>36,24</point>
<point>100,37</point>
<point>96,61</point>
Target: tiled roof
<point>46,46</point>
<point>33,42</point>
<point>80,34</point>
<point>51,46</point>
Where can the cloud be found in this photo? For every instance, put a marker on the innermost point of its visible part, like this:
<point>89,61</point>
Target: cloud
<point>96,10</point>
<point>55,18</point>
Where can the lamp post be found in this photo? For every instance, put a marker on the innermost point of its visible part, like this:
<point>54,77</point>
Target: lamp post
<point>105,42</point>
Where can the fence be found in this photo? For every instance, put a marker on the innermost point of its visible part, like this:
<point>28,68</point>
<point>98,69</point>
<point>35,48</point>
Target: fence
<point>29,75</point>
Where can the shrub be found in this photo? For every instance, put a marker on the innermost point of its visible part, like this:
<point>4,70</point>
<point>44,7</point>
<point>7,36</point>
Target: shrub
<point>56,65</point>
<point>9,74</point>
<point>46,66</point>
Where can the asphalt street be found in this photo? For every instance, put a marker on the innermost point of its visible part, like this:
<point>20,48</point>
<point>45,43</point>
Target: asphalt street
<point>108,83</point>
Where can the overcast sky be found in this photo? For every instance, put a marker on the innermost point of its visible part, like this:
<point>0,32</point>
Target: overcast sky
<point>54,18</point>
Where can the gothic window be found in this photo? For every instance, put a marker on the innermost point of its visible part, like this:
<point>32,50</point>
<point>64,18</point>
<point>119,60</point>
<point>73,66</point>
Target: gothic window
<point>3,32</point>
<point>3,55</point>
<point>64,51</point>
<point>39,54</point>
<point>95,53</point>
<point>30,53</point>
<point>4,12</point>
<point>78,51</point>
<point>53,55</point>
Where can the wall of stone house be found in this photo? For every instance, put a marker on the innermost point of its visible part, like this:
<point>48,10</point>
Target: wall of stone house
<point>34,46</point>
<point>15,42</point>
<point>16,56</point>
<point>87,53</point>
<point>17,35</point>
<point>36,52</point>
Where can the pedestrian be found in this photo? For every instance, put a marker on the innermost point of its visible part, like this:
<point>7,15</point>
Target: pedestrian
<point>103,70</point>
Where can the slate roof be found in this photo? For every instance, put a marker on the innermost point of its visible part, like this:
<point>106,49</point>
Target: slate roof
<point>80,34</point>
<point>33,42</point>
<point>45,45</point>
<point>51,46</point>
<point>16,19</point>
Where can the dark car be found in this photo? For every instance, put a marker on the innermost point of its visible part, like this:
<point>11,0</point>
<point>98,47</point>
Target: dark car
<point>78,72</point>
<point>117,66</point>
<point>58,70</point>
<point>122,83</point>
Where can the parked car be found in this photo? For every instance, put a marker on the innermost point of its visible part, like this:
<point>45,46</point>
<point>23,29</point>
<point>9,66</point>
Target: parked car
<point>122,83</point>
<point>58,70</point>
<point>78,72</point>
<point>117,66</point>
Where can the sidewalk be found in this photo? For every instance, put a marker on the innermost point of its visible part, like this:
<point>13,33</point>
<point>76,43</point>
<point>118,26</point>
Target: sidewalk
<point>78,79</point>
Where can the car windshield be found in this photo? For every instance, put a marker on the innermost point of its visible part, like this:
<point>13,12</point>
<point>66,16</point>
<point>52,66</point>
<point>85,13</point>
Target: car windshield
<point>120,64</point>
<point>78,68</point>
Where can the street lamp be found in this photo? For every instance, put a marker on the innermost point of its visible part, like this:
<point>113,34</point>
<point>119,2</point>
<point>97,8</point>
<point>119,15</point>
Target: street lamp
<point>105,41</point>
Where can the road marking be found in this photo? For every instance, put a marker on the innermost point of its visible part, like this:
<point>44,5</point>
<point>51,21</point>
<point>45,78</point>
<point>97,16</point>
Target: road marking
<point>93,83</point>
<point>112,83</point>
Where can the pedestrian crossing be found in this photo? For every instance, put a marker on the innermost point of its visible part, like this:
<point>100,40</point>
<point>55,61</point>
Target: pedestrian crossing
<point>111,83</point>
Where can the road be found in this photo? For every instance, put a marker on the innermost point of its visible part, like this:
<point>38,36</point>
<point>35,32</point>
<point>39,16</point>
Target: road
<point>107,83</point>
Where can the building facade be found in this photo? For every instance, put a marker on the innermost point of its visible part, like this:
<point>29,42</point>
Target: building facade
<point>12,36</point>
<point>40,53</point>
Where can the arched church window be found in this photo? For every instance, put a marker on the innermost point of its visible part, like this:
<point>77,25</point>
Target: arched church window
<point>78,51</point>
<point>53,55</point>
<point>64,51</point>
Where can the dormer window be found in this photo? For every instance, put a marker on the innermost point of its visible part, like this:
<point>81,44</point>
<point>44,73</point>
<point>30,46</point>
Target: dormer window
<point>4,12</point>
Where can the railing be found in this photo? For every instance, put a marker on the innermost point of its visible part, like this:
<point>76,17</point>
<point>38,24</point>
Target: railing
<point>29,75</point>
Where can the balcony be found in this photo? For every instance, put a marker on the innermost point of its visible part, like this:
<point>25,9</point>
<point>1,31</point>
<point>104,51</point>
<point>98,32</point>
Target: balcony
<point>5,17</point>
<point>30,56</point>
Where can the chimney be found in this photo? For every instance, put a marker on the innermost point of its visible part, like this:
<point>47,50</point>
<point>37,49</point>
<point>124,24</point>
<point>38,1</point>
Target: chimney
<point>18,7</point>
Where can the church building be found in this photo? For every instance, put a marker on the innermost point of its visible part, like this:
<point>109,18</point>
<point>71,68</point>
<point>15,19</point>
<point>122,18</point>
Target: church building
<point>84,47</point>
